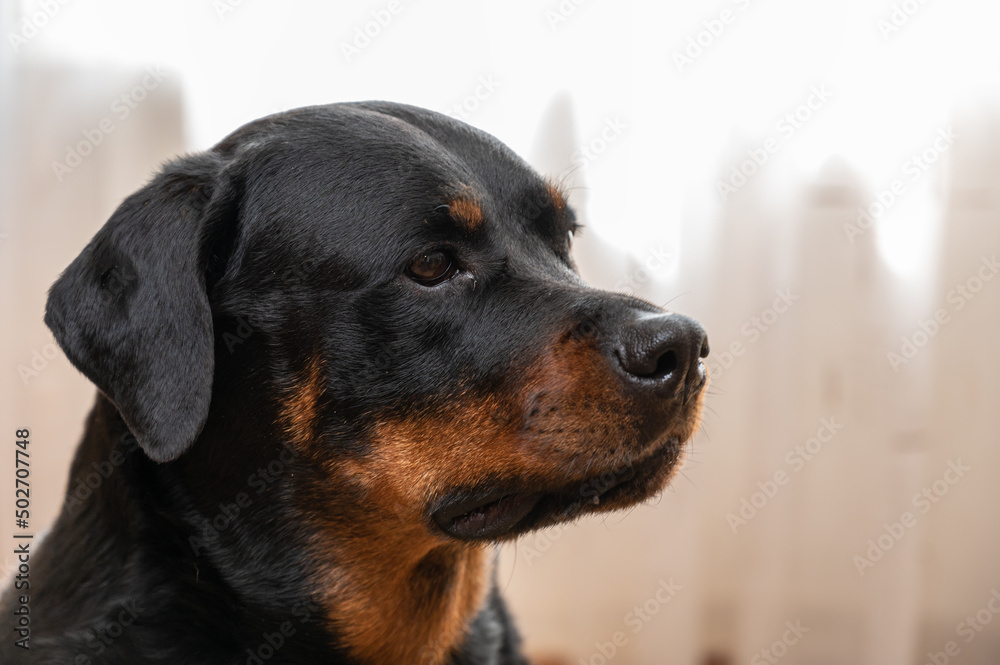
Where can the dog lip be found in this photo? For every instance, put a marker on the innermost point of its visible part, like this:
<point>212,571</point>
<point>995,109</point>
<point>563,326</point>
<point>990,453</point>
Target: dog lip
<point>485,516</point>
<point>500,513</point>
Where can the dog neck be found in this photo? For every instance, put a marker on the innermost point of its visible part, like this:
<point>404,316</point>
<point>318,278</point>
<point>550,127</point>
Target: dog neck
<point>380,592</point>
<point>399,596</point>
<point>395,592</point>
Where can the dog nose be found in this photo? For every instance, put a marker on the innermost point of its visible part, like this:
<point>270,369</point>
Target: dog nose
<point>664,348</point>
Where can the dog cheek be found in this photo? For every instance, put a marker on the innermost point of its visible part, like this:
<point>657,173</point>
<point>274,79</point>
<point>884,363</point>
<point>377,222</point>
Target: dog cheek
<point>299,409</point>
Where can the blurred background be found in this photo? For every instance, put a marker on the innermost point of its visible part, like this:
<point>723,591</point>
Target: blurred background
<point>815,181</point>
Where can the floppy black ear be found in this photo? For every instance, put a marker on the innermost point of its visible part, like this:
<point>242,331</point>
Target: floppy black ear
<point>132,312</point>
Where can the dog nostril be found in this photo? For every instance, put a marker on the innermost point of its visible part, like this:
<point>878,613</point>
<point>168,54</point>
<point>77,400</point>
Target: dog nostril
<point>704,349</point>
<point>655,365</point>
<point>666,363</point>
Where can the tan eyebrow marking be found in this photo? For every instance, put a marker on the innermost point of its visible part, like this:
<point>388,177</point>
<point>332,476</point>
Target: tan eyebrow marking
<point>558,199</point>
<point>465,209</point>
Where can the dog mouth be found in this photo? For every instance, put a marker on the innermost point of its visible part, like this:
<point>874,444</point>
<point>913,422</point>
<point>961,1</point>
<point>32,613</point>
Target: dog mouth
<point>499,513</point>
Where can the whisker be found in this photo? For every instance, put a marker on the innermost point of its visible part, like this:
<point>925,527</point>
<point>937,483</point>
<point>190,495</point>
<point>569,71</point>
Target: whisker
<point>664,305</point>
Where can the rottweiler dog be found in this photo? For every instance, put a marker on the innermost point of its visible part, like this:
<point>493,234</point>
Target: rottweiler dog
<point>340,356</point>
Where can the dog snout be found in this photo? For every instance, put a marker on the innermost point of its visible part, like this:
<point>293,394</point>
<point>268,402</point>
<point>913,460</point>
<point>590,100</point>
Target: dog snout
<point>663,351</point>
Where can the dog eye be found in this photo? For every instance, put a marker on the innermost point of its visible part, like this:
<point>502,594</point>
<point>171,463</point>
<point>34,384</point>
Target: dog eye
<point>432,267</point>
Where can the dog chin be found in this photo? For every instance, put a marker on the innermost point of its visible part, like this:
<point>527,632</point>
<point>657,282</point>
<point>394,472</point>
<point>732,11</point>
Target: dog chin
<point>503,513</point>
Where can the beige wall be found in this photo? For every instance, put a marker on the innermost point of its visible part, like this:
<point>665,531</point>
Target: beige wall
<point>825,357</point>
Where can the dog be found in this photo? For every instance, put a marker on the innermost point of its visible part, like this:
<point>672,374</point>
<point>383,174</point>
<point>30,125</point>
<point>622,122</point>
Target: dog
<point>339,357</point>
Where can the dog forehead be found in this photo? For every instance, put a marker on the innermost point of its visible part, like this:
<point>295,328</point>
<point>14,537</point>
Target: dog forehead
<point>384,150</point>
<point>358,183</point>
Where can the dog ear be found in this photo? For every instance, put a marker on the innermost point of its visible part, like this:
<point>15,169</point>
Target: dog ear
<point>132,311</point>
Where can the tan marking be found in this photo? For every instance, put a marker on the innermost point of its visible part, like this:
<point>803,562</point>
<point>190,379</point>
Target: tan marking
<point>400,596</point>
<point>558,199</point>
<point>465,208</point>
<point>300,408</point>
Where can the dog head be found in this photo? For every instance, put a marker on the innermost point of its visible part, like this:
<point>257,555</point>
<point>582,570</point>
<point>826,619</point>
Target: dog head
<point>391,293</point>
